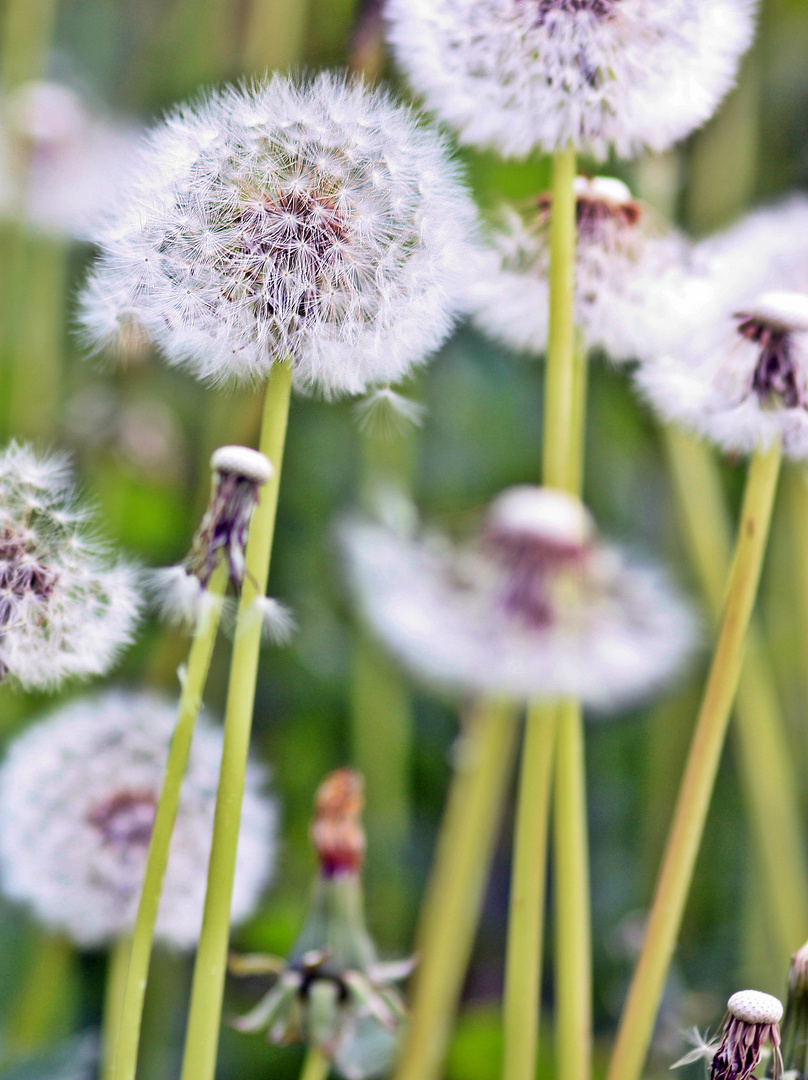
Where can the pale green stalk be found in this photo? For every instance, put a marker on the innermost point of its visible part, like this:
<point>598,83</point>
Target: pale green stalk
<point>769,786</point>
<point>276,33</point>
<point>204,1020</point>
<point>455,893</point>
<point>684,839</point>
<point>527,895</point>
<point>193,686</point>
<point>316,1066</point>
<point>113,1002</point>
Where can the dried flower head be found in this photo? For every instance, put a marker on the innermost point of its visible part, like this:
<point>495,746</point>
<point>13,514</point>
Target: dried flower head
<point>315,220</point>
<point>519,75</point>
<point>743,380</point>
<point>534,606</point>
<point>67,608</point>
<point>753,1020</point>
<point>333,992</point>
<point>182,591</point>
<point>795,1020</point>
<point>78,795</point>
<point>635,281</point>
<point>59,160</point>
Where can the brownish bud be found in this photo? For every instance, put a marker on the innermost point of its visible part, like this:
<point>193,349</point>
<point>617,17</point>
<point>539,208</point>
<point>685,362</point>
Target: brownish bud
<point>336,830</point>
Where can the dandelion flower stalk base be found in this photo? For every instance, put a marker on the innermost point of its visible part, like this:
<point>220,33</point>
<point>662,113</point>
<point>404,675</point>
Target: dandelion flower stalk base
<point>202,1036</point>
<point>637,1022</point>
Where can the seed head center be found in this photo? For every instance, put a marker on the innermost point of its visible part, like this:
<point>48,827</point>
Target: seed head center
<point>776,375</point>
<point>21,574</point>
<point>125,820</point>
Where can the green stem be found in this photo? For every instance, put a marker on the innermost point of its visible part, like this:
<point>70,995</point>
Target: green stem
<point>316,1066</point>
<point>526,914</point>
<point>560,420</point>
<point>684,839</point>
<point>113,1003</point>
<point>767,773</point>
<point>455,893</point>
<point>572,910</point>
<point>204,1020</point>
<point>126,1053</point>
<point>276,34</point>
<point>578,440</point>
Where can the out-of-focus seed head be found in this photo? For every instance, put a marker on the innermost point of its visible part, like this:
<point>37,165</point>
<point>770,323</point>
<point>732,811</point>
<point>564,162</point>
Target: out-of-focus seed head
<point>336,830</point>
<point>520,75</point>
<point>78,795</point>
<point>534,606</point>
<point>67,608</point>
<point>316,220</point>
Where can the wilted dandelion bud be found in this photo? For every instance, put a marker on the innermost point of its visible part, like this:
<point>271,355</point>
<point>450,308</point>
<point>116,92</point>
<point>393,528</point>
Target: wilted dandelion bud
<point>634,278</point>
<point>78,797</point>
<point>67,608</point>
<point>753,1020</point>
<point>534,606</point>
<point>795,1020</point>
<point>333,992</point>
<point>181,591</point>
<point>519,75</point>
<point>314,220</point>
<point>743,381</point>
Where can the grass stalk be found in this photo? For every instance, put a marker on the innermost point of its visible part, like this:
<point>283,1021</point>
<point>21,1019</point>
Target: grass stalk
<point>456,889</point>
<point>767,774</point>
<point>527,896</point>
<point>204,1020</point>
<point>316,1065</point>
<point>113,1002</point>
<point>126,1053</point>
<point>637,1022</point>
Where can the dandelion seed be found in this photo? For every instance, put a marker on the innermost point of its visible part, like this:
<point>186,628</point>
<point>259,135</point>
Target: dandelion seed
<point>534,606</point>
<point>78,795</point>
<point>333,992</point>
<point>519,75</point>
<point>385,414</point>
<point>67,607</point>
<point>743,380</point>
<point>636,282</point>
<point>315,220</point>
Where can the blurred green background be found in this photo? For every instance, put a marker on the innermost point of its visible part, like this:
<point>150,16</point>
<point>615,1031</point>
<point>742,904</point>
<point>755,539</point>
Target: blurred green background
<point>141,436</point>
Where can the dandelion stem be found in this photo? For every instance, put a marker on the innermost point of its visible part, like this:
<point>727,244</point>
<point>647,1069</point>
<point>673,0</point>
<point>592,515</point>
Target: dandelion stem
<point>126,1052</point>
<point>455,893</point>
<point>767,775</point>
<point>316,1066</point>
<point>202,1036</point>
<point>673,883</point>
<point>528,879</point>
<point>113,1002</point>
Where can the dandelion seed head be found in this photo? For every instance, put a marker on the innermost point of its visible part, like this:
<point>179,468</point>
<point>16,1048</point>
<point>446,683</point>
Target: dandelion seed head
<point>78,796</point>
<point>242,462</point>
<point>753,1019</point>
<point>533,606</point>
<point>521,75</point>
<point>315,220</point>
<point>755,1007</point>
<point>67,607</point>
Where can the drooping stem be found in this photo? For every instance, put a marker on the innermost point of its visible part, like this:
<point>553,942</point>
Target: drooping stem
<point>126,1053</point>
<point>767,773</point>
<point>204,1020</point>
<point>316,1066</point>
<point>455,893</point>
<point>528,880</point>
<point>113,1002</point>
<point>684,839</point>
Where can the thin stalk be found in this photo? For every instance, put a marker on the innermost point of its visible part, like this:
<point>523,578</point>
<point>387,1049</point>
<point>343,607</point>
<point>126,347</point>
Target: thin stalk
<point>673,884</point>
<point>528,880</point>
<point>578,440</point>
<point>204,1020</point>
<point>767,774</point>
<point>316,1066</point>
<point>561,424</point>
<point>125,1060</point>
<point>455,893</point>
<point>113,1002</point>
<point>572,908</point>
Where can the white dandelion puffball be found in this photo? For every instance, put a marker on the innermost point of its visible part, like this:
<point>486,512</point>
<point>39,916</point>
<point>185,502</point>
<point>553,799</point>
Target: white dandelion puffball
<point>78,795</point>
<point>755,1007</point>
<point>520,75</point>
<point>636,284</point>
<point>67,607</point>
<point>743,382</point>
<point>534,607</point>
<point>315,220</point>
